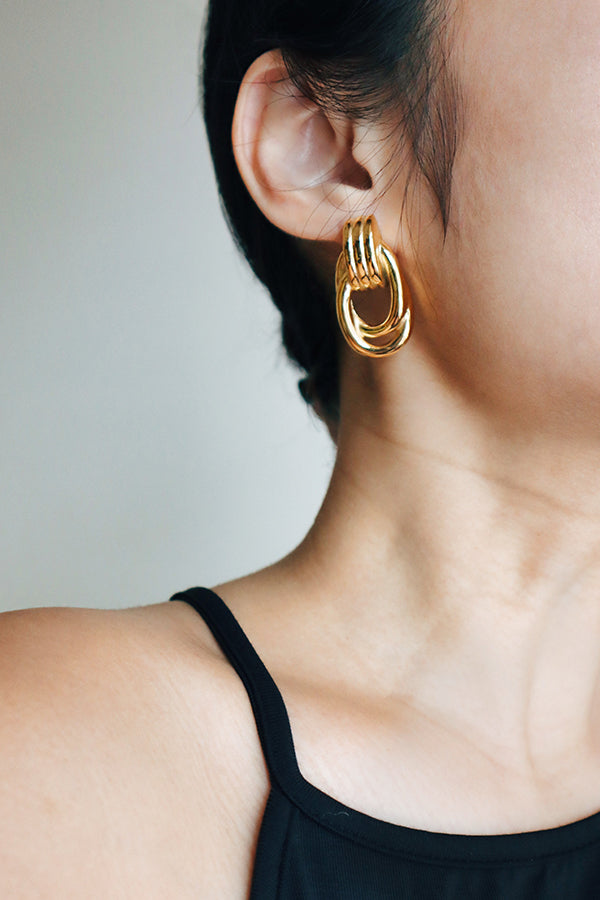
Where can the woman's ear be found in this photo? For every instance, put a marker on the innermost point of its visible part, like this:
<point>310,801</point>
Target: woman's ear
<point>297,162</point>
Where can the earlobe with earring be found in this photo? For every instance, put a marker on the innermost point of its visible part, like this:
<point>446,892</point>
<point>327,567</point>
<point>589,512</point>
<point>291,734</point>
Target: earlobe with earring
<point>364,264</point>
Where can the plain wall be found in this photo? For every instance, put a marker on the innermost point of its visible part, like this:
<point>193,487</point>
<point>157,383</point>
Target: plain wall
<point>153,436</point>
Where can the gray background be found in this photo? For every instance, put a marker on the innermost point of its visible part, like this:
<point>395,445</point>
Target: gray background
<point>152,434</point>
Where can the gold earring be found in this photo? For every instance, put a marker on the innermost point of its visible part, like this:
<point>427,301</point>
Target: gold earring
<point>366,263</point>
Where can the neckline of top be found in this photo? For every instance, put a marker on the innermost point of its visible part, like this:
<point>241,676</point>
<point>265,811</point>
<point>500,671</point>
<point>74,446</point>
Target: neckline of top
<point>277,742</point>
<point>435,846</point>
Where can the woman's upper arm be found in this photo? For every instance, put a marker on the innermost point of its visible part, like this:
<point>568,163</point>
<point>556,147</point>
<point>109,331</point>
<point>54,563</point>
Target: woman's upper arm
<point>52,719</point>
<point>114,737</point>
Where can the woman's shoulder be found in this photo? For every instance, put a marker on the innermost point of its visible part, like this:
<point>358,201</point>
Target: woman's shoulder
<point>126,744</point>
<point>51,656</point>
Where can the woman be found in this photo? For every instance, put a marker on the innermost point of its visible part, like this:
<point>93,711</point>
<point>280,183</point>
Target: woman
<point>436,636</point>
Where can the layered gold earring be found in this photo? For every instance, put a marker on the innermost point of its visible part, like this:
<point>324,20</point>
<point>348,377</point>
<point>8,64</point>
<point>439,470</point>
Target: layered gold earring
<point>366,263</point>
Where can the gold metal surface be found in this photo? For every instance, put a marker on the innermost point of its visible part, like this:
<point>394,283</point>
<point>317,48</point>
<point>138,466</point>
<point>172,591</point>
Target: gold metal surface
<point>364,264</point>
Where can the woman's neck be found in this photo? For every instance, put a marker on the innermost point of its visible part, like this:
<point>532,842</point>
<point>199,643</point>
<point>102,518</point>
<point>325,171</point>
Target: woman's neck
<point>470,553</point>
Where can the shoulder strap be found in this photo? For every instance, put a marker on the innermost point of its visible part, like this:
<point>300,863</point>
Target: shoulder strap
<point>270,714</point>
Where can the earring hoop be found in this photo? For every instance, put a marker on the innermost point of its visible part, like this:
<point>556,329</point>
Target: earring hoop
<point>366,263</point>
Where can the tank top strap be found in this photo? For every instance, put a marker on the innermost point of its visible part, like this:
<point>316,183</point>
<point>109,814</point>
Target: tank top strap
<point>270,713</point>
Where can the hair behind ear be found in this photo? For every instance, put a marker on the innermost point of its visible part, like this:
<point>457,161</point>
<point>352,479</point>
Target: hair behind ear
<point>308,319</point>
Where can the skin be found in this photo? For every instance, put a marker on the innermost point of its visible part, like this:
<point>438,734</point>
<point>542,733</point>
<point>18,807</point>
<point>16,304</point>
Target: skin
<point>458,547</point>
<point>436,637</point>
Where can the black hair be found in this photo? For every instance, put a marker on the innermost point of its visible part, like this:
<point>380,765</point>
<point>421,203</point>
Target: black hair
<point>355,57</point>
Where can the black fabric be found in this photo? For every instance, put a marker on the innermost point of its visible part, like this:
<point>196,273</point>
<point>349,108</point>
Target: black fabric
<point>311,847</point>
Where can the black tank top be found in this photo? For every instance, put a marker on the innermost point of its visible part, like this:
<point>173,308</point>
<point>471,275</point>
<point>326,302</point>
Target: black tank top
<point>311,847</point>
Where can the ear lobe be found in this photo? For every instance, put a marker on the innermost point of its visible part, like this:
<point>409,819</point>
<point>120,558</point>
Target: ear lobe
<point>297,163</point>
